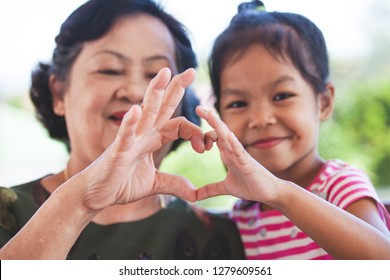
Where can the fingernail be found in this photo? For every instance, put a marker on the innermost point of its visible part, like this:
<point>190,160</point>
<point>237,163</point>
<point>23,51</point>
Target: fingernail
<point>204,110</point>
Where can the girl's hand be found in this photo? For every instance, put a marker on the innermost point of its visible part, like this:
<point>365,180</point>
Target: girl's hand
<point>245,178</point>
<point>125,172</point>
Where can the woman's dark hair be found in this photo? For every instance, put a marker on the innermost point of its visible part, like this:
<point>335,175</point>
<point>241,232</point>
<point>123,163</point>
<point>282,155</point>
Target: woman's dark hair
<point>91,21</point>
<point>284,35</point>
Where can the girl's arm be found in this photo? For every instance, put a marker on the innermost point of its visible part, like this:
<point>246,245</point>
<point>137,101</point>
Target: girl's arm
<point>345,236</point>
<point>341,234</point>
<point>113,177</point>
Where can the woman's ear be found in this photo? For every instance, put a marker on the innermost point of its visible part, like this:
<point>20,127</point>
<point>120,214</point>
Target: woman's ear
<point>57,92</point>
<point>326,102</point>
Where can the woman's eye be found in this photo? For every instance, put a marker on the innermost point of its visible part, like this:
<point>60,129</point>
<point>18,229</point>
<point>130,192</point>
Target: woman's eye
<point>282,96</point>
<point>236,104</point>
<point>151,75</point>
<point>110,72</point>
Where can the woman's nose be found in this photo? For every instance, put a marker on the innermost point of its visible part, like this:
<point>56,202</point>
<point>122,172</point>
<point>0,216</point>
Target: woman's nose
<point>132,91</point>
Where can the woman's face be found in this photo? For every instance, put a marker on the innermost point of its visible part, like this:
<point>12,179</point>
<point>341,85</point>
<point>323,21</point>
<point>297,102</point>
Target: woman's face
<point>109,76</point>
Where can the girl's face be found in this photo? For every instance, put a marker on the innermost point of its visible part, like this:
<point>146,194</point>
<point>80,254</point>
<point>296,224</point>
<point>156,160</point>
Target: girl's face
<point>109,76</point>
<point>273,111</point>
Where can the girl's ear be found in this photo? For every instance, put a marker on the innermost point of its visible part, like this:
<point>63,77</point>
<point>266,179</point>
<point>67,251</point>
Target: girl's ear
<point>57,90</point>
<point>326,102</point>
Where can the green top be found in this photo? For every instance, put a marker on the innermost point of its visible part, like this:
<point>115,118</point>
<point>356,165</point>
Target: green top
<point>174,232</point>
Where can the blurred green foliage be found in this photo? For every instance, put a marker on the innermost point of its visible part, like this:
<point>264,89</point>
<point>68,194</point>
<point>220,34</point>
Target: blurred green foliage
<point>359,132</point>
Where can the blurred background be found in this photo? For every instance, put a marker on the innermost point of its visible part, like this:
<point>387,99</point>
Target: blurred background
<point>358,38</point>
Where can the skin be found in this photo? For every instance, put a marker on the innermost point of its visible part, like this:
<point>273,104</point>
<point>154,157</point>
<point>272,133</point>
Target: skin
<point>109,76</point>
<point>268,141</point>
<point>277,117</point>
<point>114,178</point>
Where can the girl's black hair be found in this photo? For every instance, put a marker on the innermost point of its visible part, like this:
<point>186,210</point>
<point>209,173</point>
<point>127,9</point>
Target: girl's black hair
<point>91,21</point>
<point>284,35</point>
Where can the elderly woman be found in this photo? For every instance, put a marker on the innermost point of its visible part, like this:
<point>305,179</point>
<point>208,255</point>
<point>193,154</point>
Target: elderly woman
<point>94,97</point>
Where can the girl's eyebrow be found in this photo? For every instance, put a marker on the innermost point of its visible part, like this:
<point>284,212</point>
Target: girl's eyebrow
<point>273,84</point>
<point>232,91</point>
<point>281,80</point>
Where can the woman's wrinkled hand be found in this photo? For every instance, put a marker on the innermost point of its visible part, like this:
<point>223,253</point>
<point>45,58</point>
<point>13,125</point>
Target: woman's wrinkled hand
<point>125,172</point>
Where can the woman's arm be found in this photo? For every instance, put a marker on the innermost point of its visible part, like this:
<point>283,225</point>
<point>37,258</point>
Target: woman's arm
<point>54,228</point>
<point>112,178</point>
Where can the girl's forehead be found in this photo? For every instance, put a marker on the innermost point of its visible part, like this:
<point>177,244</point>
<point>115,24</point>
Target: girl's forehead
<point>255,54</point>
<point>257,69</point>
<point>279,39</point>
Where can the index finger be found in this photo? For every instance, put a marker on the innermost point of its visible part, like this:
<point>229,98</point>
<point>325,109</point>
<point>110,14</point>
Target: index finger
<point>180,127</point>
<point>153,99</point>
<point>216,123</point>
<point>173,95</point>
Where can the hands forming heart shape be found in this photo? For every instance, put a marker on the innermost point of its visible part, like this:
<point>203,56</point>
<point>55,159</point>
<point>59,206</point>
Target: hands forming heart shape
<point>125,172</point>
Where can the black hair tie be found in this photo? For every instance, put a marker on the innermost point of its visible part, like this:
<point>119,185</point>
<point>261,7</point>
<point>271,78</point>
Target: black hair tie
<point>253,5</point>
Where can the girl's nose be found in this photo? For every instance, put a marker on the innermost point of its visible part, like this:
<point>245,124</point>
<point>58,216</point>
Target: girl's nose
<point>261,117</point>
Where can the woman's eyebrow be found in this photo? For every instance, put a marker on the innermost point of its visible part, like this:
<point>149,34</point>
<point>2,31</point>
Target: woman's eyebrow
<point>156,57</point>
<point>114,53</point>
<point>126,59</point>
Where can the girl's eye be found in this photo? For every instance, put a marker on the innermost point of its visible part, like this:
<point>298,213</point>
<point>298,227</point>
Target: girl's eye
<point>236,104</point>
<point>282,96</point>
<point>110,72</point>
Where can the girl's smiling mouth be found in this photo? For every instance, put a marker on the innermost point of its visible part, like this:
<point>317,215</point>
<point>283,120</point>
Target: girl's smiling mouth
<point>266,143</point>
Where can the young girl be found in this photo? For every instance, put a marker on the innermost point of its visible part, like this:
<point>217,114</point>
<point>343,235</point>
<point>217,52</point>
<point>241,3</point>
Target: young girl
<point>269,73</point>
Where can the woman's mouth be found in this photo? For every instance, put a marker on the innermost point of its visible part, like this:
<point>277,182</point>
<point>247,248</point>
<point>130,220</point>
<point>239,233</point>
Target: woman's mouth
<point>117,117</point>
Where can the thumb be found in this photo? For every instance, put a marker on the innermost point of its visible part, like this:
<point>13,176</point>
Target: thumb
<point>211,190</point>
<point>176,185</point>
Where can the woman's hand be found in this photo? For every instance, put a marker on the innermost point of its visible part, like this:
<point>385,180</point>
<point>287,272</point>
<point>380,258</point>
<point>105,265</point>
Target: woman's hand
<point>245,178</point>
<point>125,172</point>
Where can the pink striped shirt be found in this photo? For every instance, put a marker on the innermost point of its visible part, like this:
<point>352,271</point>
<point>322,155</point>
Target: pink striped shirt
<point>271,235</point>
